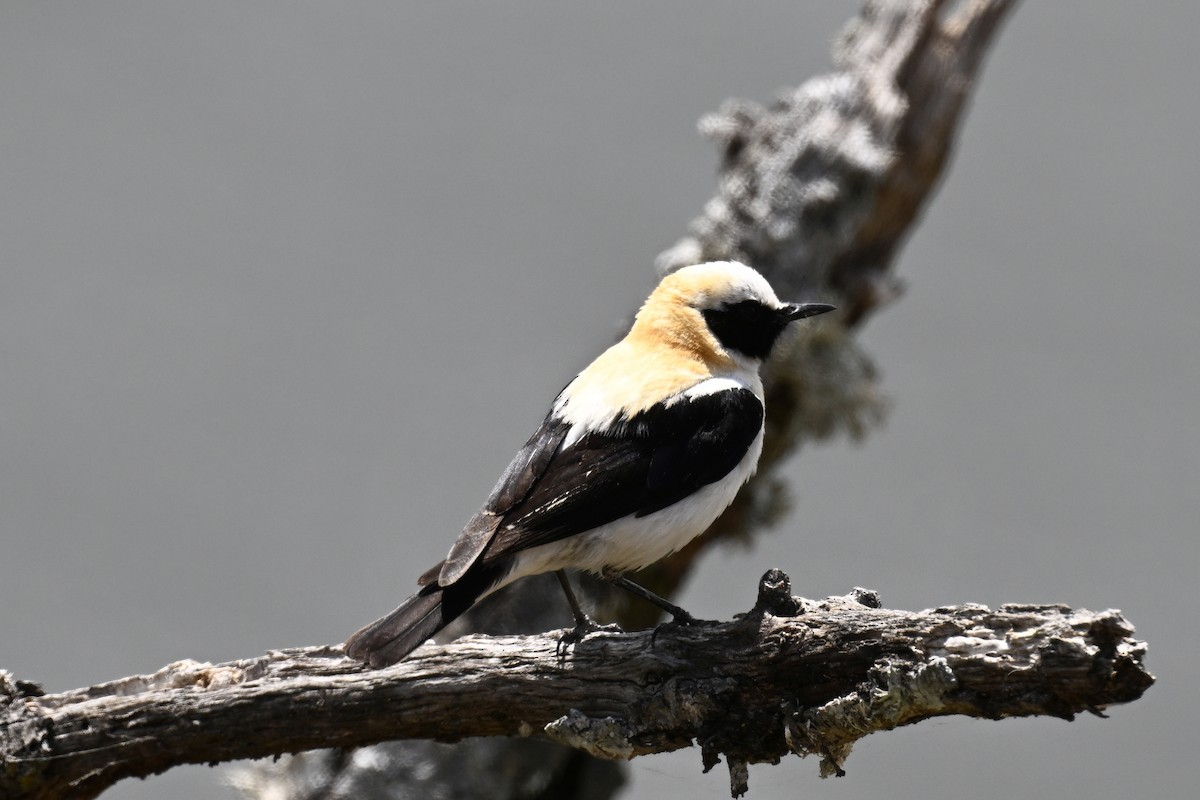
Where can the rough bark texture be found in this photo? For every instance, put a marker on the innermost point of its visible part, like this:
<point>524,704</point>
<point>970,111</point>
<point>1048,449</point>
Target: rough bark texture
<point>789,676</point>
<point>818,190</point>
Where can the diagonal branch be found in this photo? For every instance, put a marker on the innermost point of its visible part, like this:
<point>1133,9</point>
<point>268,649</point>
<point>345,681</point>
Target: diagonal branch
<point>819,191</point>
<point>788,676</point>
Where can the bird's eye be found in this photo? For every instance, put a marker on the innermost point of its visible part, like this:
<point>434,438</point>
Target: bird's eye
<point>747,326</point>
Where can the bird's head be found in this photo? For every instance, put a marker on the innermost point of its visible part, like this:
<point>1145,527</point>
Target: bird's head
<point>720,309</point>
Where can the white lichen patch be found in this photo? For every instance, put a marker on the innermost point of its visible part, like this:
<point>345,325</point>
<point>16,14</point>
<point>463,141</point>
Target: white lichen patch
<point>969,646</point>
<point>603,737</point>
<point>902,692</point>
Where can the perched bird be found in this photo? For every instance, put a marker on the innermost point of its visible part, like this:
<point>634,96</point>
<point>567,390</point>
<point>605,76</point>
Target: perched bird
<point>637,456</point>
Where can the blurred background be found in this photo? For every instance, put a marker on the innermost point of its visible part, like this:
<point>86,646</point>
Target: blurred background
<point>284,285</point>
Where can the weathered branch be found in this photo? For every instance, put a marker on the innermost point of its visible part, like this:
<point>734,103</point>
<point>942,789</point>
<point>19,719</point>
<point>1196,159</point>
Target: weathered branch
<point>818,190</point>
<point>788,676</point>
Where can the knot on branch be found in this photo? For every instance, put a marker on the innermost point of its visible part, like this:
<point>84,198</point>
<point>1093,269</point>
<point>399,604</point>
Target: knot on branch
<point>775,595</point>
<point>12,690</point>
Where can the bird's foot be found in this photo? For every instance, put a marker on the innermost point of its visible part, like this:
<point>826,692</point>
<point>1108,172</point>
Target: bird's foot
<point>681,617</point>
<point>584,627</point>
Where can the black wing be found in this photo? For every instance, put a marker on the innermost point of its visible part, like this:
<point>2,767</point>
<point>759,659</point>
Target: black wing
<point>653,461</point>
<point>526,469</point>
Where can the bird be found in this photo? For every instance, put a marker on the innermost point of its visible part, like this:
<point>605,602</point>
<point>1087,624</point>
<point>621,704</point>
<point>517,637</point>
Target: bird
<point>637,456</point>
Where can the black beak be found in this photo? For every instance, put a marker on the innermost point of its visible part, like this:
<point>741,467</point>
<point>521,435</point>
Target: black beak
<point>795,311</point>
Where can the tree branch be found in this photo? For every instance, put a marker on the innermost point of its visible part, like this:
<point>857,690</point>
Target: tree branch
<point>818,190</point>
<point>790,675</point>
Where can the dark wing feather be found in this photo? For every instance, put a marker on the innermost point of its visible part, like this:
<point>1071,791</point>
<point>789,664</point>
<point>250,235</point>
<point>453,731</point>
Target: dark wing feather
<point>657,458</point>
<point>513,487</point>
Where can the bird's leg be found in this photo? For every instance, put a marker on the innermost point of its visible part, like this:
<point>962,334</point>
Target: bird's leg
<point>679,616</point>
<point>581,618</point>
<point>583,623</point>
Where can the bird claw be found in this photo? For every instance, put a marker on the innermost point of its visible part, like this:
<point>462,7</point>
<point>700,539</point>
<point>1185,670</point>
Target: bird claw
<point>583,628</point>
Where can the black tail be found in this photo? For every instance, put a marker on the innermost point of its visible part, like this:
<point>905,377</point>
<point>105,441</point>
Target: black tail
<point>389,639</point>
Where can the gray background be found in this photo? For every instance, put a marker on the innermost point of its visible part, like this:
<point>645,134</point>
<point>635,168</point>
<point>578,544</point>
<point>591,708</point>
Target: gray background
<point>284,285</point>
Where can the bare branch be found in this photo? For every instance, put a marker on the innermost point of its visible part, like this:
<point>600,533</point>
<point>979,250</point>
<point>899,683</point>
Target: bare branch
<point>818,190</point>
<point>788,676</point>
